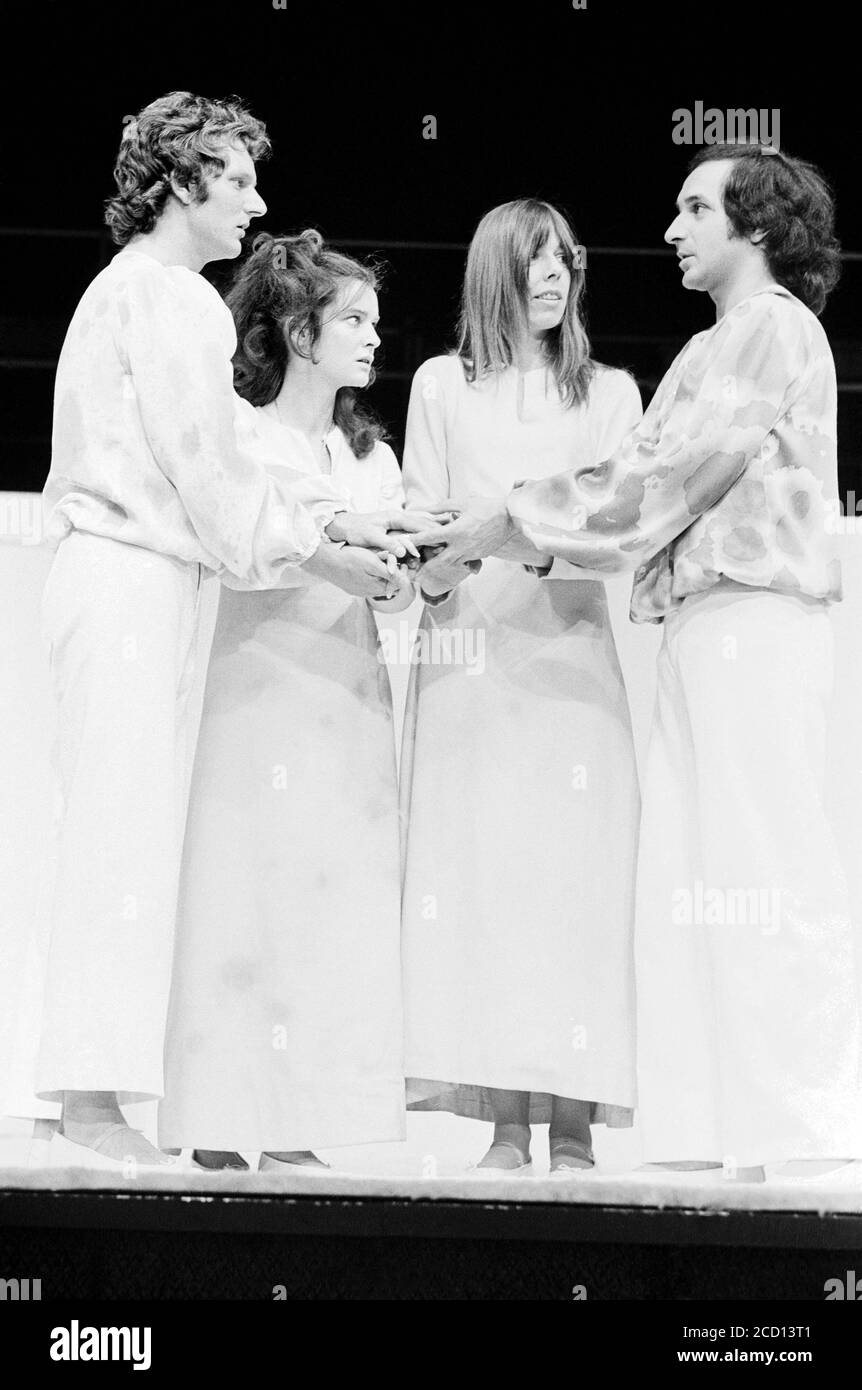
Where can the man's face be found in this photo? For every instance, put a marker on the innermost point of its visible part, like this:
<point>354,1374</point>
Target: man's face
<point>710,256</point>
<point>218,225</point>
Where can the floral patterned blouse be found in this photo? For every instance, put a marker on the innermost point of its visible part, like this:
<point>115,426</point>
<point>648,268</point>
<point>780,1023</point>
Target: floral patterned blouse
<point>732,472</point>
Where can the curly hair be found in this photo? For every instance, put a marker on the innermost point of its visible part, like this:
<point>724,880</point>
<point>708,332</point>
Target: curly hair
<point>179,135</point>
<point>789,200</point>
<point>290,282</point>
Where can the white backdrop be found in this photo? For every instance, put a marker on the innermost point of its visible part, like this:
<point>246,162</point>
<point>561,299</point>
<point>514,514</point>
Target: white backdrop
<point>25,794</point>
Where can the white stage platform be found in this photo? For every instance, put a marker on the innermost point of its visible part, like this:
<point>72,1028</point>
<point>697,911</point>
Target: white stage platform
<point>436,1144</point>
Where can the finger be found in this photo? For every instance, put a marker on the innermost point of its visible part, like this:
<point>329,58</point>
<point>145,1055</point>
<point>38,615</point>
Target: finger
<point>377,565</point>
<point>392,544</point>
<point>447,504</point>
<point>437,535</point>
<point>438,517</point>
<point>405,521</point>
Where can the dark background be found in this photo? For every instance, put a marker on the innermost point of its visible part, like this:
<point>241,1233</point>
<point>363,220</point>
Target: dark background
<point>574,106</point>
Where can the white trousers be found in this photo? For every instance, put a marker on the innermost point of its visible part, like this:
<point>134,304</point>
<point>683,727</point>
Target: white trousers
<point>748,1032</point>
<point>121,624</point>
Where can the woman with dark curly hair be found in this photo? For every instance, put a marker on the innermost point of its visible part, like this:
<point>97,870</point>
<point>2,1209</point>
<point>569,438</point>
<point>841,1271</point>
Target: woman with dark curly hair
<point>285,1025</point>
<point>721,499</point>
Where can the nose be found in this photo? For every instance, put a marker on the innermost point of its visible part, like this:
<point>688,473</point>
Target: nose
<point>373,336</point>
<point>674,231</point>
<point>255,207</point>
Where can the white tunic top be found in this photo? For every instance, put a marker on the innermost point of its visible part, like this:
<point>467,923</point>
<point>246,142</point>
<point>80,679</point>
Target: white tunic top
<point>151,444</point>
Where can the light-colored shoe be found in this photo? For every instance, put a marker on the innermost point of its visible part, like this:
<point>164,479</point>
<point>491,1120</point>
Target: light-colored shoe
<point>672,1173</point>
<point>504,1151</point>
<point>318,1169</point>
<point>570,1158</point>
<point>66,1153</point>
<point>847,1177</point>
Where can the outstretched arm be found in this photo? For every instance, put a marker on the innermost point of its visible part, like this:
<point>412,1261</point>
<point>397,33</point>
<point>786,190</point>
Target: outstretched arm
<point>710,417</point>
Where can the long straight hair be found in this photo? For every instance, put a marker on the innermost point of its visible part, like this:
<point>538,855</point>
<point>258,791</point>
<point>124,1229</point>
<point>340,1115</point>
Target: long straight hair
<point>495,297</point>
<point>295,281</point>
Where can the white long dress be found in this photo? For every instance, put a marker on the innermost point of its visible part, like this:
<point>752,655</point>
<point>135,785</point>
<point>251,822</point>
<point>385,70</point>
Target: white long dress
<point>284,1029</point>
<point>518,780</point>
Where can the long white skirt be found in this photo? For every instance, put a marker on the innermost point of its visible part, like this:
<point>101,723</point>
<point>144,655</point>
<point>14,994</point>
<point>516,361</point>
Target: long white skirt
<point>121,624</point>
<point>520,789</point>
<point>285,1020</point>
<point>747,1007</point>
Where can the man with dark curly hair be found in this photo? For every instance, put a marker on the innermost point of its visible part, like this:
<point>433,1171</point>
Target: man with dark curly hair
<point>158,475</point>
<point>720,499</point>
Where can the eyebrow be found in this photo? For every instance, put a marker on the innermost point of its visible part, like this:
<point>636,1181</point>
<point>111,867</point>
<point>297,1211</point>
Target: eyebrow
<point>693,198</point>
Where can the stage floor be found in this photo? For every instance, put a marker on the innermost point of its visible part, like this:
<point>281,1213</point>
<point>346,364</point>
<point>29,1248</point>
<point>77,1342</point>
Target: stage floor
<point>429,1168</point>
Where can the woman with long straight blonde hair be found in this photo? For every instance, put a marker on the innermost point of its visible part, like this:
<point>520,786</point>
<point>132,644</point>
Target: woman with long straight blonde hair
<point>517,912</point>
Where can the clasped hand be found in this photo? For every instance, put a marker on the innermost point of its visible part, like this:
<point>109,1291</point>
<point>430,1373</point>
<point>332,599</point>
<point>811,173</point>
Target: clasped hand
<point>377,557</point>
<point>438,547</point>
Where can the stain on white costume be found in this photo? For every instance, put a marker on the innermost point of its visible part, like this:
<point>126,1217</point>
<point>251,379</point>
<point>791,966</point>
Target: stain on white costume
<point>157,473</point>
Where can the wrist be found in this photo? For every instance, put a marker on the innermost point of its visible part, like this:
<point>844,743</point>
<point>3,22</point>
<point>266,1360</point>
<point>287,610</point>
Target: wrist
<point>334,530</point>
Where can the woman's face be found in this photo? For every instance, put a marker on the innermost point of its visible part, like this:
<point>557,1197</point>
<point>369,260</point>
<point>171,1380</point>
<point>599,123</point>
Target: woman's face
<point>548,287</point>
<point>344,353</point>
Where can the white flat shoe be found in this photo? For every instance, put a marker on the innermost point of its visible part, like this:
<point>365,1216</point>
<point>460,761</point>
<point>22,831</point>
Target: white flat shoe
<point>65,1153</point>
<point>484,1170</point>
<point>846,1178</point>
<point>268,1164</point>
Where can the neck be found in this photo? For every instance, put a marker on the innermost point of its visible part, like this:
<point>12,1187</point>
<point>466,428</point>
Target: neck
<point>171,243</point>
<point>306,402</point>
<point>750,280</point>
<point>530,353</point>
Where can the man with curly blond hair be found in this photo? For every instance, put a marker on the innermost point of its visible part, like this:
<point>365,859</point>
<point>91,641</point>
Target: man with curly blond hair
<point>158,476</point>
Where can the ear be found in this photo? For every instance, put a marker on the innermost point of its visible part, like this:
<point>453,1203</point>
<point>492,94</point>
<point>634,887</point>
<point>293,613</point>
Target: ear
<point>180,192</point>
<point>301,336</point>
<point>757,237</point>
<point>296,335</point>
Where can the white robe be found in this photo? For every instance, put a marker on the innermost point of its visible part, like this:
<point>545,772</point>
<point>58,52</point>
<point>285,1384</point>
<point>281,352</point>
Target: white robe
<point>285,1021</point>
<point>519,781</point>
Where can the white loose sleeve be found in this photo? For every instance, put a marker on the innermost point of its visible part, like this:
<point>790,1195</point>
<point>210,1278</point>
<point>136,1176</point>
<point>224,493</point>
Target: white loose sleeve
<point>177,336</point>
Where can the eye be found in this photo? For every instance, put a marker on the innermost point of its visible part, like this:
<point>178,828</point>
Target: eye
<point>354,318</point>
